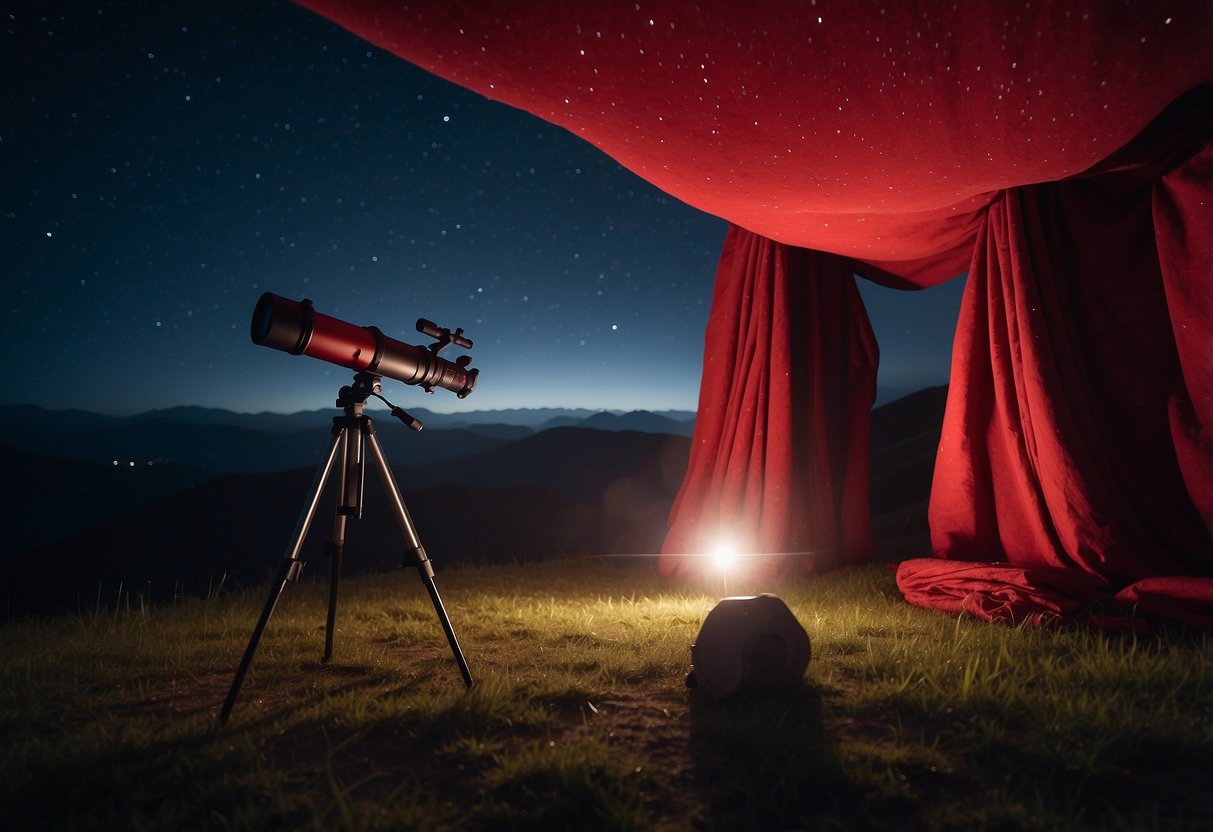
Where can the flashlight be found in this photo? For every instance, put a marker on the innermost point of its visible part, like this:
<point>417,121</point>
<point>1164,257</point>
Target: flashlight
<point>296,327</point>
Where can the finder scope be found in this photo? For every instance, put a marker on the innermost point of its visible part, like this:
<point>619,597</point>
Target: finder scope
<point>296,327</point>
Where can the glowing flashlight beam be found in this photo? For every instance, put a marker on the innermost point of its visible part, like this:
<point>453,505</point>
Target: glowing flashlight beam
<point>725,557</point>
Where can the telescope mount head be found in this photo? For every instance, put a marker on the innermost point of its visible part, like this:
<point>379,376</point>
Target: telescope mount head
<point>365,385</point>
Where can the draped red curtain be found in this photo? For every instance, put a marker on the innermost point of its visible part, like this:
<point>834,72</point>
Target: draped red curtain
<point>1078,438</point>
<point>1182,202</point>
<point>779,456</point>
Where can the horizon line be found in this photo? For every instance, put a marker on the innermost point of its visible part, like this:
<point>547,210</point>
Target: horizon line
<point>883,397</point>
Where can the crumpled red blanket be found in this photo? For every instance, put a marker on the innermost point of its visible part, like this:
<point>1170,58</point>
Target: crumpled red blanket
<point>1188,601</point>
<point>1041,595</point>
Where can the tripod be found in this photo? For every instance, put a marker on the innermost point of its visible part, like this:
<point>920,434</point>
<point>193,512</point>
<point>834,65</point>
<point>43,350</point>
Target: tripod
<point>352,434</point>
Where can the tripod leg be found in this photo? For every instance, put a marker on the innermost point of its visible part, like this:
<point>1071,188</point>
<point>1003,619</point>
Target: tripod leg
<point>291,566</point>
<point>349,504</point>
<point>424,568</point>
<point>334,550</point>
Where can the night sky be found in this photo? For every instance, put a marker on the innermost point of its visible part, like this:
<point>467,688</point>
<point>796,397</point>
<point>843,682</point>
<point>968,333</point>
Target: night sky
<point>162,165</point>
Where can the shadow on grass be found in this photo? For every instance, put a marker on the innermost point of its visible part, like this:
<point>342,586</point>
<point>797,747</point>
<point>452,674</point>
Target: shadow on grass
<point>146,771</point>
<point>764,760</point>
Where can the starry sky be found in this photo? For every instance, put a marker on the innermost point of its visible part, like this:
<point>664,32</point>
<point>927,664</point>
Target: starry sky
<point>162,165</point>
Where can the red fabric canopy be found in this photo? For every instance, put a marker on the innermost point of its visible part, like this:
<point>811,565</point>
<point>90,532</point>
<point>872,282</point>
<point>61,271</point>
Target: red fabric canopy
<point>1056,150</point>
<point>875,130</point>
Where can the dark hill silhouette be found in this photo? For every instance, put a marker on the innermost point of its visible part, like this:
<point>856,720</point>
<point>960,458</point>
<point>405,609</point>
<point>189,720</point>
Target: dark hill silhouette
<point>544,418</point>
<point>578,492</point>
<point>534,418</point>
<point>53,498</point>
<point>227,442</point>
<point>235,530</point>
<point>307,419</point>
<point>577,462</point>
<point>499,430</point>
<point>639,420</point>
<point>224,448</point>
<point>564,422</point>
<point>194,415</point>
<point>905,437</point>
<point>17,418</point>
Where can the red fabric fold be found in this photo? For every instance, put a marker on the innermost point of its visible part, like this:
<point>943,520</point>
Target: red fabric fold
<point>779,456</point>
<point>1058,445</point>
<point>1040,596</point>
<point>1187,601</point>
<point>1183,217</point>
<point>999,591</point>
<point>1080,415</point>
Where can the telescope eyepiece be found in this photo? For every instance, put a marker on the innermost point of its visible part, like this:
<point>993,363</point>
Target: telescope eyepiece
<point>442,335</point>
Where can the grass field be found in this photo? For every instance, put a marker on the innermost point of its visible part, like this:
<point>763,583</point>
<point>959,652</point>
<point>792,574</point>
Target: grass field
<point>580,718</point>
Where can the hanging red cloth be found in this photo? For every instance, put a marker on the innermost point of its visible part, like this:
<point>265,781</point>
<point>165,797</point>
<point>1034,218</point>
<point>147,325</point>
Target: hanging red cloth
<point>1183,222</point>
<point>1056,447</point>
<point>1079,426</point>
<point>779,458</point>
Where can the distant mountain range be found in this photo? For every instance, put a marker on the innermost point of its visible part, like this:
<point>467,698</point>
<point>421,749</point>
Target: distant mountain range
<point>172,501</point>
<point>676,422</point>
<point>224,442</point>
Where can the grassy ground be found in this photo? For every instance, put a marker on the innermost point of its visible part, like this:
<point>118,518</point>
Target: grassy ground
<point>580,718</point>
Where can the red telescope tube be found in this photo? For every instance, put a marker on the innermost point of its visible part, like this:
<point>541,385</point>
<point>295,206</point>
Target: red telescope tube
<point>296,327</point>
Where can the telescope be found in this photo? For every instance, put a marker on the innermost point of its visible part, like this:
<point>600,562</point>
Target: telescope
<point>296,327</point>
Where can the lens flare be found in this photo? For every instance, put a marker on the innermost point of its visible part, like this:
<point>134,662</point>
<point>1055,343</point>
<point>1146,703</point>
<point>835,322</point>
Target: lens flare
<point>724,556</point>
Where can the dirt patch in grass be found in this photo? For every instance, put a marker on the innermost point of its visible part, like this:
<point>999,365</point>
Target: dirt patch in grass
<point>199,695</point>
